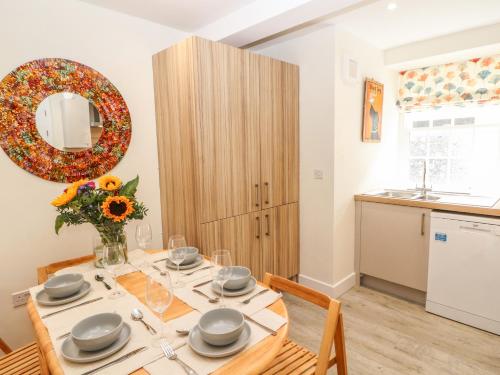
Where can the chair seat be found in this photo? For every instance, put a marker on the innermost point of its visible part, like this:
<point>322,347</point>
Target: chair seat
<point>292,359</point>
<point>23,361</point>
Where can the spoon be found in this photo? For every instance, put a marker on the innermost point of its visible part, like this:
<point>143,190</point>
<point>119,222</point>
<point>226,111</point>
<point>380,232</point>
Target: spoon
<point>136,315</point>
<point>101,279</point>
<point>182,332</point>
<point>210,299</point>
<point>162,273</point>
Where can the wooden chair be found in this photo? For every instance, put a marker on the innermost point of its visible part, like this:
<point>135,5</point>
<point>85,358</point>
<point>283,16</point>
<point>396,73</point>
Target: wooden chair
<point>23,361</point>
<point>294,359</point>
<point>45,271</point>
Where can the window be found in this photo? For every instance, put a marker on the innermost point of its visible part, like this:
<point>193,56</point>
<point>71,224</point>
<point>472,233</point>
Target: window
<point>461,146</point>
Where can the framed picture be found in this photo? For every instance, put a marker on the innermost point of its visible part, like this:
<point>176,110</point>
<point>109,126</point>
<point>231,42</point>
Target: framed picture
<point>372,115</point>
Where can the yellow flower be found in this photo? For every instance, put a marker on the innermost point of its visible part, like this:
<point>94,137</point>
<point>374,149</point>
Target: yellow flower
<point>109,183</point>
<point>69,193</point>
<point>117,208</point>
<point>65,197</point>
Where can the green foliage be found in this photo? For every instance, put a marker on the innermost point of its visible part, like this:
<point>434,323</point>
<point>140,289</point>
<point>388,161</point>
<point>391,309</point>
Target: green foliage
<point>86,207</point>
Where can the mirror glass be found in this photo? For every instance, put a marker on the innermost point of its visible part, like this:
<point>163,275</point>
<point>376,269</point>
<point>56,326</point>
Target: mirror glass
<point>68,122</point>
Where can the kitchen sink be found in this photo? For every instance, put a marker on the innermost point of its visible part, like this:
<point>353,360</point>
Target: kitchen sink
<point>397,194</point>
<point>407,194</point>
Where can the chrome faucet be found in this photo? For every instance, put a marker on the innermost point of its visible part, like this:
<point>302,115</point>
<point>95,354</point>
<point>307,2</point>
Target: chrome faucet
<point>423,189</point>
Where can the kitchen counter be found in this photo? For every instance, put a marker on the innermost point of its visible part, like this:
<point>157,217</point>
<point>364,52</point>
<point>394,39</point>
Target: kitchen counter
<point>434,205</point>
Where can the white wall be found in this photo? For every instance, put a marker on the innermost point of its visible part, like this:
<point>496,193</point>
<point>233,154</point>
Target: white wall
<point>331,113</point>
<point>359,167</point>
<point>118,46</point>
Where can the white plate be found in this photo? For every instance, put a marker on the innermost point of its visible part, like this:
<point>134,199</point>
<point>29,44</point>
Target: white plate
<point>202,348</point>
<point>71,352</point>
<point>197,262</point>
<point>43,298</point>
<point>238,292</point>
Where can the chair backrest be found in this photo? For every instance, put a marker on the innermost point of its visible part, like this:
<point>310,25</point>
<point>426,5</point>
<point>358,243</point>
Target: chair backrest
<point>332,320</point>
<point>4,347</point>
<point>45,271</point>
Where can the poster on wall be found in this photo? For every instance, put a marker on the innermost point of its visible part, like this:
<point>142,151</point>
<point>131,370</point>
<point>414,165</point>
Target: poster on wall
<point>372,115</point>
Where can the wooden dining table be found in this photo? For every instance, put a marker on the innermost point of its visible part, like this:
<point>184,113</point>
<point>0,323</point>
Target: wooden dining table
<point>252,360</point>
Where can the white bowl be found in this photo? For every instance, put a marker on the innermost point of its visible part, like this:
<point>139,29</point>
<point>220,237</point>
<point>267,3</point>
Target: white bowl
<point>221,327</point>
<point>97,331</point>
<point>240,276</point>
<point>63,285</point>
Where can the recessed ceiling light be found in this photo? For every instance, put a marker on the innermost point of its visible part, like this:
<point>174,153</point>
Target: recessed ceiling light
<point>392,6</point>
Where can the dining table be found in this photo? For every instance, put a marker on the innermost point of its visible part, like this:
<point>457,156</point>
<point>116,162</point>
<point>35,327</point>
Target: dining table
<point>252,360</point>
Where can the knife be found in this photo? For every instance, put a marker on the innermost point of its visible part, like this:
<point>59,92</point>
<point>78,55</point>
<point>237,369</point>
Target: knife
<point>71,307</point>
<point>203,283</point>
<point>117,360</point>
<point>160,260</point>
<point>270,330</point>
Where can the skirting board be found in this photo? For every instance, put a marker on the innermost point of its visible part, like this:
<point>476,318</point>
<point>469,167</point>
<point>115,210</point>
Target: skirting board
<point>335,290</point>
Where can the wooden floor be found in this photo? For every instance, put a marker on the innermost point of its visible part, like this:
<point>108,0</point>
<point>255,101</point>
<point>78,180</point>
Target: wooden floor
<point>386,335</point>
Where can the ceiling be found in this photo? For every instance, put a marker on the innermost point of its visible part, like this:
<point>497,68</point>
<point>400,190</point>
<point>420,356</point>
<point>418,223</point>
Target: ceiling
<point>186,15</point>
<point>415,20</point>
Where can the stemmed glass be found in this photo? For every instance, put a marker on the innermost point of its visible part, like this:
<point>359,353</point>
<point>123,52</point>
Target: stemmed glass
<point>143,235</point>
<point>113,258</point>
<point>175,242</point>
<point>221,272</point>
<point>159,297</point>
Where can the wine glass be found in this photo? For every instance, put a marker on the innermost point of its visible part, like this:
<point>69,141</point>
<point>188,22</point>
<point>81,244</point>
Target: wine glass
<point>175,242</point>
<point>113,258</point>
<point>159,297</point>
<point>143,235</point>
<point>222,271</point>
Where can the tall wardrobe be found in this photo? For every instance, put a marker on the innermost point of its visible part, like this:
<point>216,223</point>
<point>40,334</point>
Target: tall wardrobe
<point>227,127</point>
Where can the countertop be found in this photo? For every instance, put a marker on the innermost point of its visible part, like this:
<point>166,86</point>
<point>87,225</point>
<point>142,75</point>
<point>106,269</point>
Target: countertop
<point>434,205</point>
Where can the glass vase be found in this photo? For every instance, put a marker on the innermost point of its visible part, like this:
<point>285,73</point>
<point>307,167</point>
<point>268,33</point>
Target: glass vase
<point>108,236</point>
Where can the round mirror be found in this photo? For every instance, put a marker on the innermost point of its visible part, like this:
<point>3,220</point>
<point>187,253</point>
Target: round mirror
<point>68,122</point>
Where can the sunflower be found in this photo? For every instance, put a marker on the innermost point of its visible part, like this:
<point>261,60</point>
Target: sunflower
<point>65,197</point>
<point>109,183</point>
<point>117,208</point>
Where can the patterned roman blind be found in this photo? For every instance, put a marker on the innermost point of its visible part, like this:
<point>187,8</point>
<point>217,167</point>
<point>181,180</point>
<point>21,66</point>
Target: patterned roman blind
<point>461,83</point>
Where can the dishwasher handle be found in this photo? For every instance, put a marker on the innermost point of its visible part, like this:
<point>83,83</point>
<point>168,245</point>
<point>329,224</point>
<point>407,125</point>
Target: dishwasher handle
<point>475,228</point>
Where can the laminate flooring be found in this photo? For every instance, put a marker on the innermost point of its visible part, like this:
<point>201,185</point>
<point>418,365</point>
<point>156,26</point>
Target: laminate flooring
<point>389,336</point>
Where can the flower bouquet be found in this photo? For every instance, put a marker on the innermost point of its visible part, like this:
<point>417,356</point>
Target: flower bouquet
<point>108,208</point>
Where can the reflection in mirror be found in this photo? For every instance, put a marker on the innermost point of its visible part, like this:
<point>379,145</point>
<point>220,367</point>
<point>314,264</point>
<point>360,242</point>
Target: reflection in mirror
<point>68,122</point>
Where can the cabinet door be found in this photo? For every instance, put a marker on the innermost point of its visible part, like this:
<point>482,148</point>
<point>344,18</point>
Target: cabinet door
<point>279,119</point>
<point>280,240</point>
<point>394,243</point>
<point>227,93</point>
<point>240,235</point>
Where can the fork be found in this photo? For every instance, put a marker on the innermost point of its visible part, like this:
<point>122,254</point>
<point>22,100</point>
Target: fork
<point>170,354</point>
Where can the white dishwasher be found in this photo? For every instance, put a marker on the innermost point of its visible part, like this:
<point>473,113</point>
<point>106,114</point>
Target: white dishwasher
<point>464,269</point>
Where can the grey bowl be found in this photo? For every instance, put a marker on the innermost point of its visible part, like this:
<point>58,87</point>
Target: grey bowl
<point>97,331</point>
<point>64,285</point>
<point>221,327</point>
<point>190,254</point>
<point>240,276</point>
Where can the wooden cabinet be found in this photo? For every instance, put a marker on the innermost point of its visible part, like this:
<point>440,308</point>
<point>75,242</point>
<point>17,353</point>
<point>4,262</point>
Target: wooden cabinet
<point>264,241</point>
<point>279,132</point>
<point>227,126</point>
<point>394,243</point>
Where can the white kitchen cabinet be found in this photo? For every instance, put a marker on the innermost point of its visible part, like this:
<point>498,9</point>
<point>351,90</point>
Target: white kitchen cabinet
<point>394,243</point>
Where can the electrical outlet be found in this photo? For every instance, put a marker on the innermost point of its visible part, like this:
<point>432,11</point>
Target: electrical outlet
<point>318,174</point>
<point>20,298</point>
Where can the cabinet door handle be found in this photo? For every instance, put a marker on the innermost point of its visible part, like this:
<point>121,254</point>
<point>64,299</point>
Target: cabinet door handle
<point>257,200</point>
<point>422,225</point>
<point>268,227</point>
<point>257,235</point>
<point>266,184</point>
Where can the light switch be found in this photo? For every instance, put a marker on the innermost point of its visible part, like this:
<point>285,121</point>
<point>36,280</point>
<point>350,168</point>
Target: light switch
<point>318,174</point>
